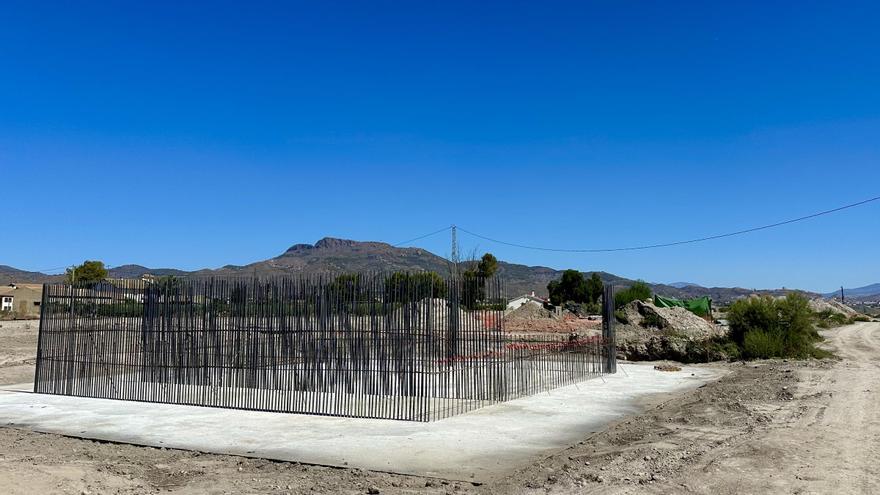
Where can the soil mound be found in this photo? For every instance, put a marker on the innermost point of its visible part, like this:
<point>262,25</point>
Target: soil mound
<point>530,311</point>
<point>653,333</point>
<point>819,305</point>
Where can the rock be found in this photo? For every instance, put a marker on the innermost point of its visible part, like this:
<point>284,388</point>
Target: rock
<point>373,490</point>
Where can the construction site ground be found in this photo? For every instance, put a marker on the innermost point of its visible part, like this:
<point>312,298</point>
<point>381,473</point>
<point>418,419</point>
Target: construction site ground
<point>764,427</point>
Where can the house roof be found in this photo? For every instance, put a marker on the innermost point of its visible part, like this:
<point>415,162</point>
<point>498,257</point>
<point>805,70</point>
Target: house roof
<point>528,296</point>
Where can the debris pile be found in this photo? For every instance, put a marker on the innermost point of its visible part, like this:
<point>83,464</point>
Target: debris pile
<point>646,332</point>
<point>531,318</point>
<point>820,305</point>
<point>674,320</point>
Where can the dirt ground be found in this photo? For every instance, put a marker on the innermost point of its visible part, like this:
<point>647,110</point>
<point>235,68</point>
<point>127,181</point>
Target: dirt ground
<point>18,350</point>
<point>771,427</point>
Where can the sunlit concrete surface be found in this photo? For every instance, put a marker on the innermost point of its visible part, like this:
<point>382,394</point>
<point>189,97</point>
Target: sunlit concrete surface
<point>478,446</point>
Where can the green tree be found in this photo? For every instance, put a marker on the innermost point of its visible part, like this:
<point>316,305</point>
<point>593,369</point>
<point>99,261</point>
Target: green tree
<point>168,282</point>
<point>473,280</point>
<point>571,287</point>
<point>638,291</point>
<point>89,272</point>
<point>595,287</point>
<point>407,287</point>
<point>487,266</point>
<point>348,287</point>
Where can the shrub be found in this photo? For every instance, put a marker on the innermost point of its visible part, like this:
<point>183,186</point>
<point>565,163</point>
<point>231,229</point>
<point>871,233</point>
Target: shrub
<point>639,291</point>
<point>765,327</point>
<point>859,318</point>
<point>751,314</point>
<point>762,345</point>
<point>582,310</point>
<point>727,347</point>
<point>829,319</point>
<point>716,349</point>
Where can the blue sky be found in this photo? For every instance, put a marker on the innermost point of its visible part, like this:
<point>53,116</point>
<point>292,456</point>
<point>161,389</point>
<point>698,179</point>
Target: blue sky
<point>201,135</point>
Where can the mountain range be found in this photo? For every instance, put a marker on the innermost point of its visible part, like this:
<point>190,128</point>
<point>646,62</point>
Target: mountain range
<point>868,292</point>
<point>343,255</point>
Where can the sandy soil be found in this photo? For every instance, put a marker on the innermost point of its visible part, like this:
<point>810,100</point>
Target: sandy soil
<point>18,350</point>
<point>769,427</point>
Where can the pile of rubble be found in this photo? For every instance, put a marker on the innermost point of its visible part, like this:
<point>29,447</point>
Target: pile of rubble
<point>531,318</point>
<point>646,332</point>
<point>673,320</point>
<point>530,311</point>
<point>820,305</point>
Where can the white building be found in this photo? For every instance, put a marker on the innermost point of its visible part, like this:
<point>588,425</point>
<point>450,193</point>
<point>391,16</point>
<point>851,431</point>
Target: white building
<point>519,301</point>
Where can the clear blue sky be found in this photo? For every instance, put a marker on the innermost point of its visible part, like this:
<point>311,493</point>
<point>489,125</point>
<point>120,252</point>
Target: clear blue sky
<point>200,135</point>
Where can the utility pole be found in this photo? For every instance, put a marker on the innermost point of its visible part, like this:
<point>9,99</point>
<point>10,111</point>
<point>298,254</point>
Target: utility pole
<point>842,297</point>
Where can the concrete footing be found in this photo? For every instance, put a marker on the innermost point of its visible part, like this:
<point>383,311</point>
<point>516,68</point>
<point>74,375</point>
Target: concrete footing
<point>478,446</point>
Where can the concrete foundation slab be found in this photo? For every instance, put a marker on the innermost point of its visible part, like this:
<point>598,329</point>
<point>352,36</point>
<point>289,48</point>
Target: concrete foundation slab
<point>478,446</point>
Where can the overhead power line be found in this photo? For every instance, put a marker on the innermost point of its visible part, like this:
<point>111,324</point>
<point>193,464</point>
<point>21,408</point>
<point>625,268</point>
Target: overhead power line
<point>444,229</point>
<point>676,243</point>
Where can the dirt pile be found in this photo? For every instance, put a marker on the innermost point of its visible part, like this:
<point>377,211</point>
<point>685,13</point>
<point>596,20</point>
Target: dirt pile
<point>675,320</point>
<point>820,305</point>
<point>649,332</point>
<point>531,318</point>
<point>531,311</point>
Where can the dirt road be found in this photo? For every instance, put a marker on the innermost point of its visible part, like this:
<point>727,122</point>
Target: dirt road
<point>794,427</point>
<point>829,442</point>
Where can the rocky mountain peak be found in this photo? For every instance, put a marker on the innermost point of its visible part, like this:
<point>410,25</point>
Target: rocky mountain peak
<point>332,243</point>
<point>299,247</point>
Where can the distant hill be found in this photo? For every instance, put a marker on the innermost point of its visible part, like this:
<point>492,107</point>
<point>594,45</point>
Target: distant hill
<point>868,291</point>
<point>343,255</point>
<point>136,271</point>
<point>682,285</point>
<point>9,274</point>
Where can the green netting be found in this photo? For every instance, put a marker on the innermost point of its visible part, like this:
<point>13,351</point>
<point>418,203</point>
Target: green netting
<point>701,306</point>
